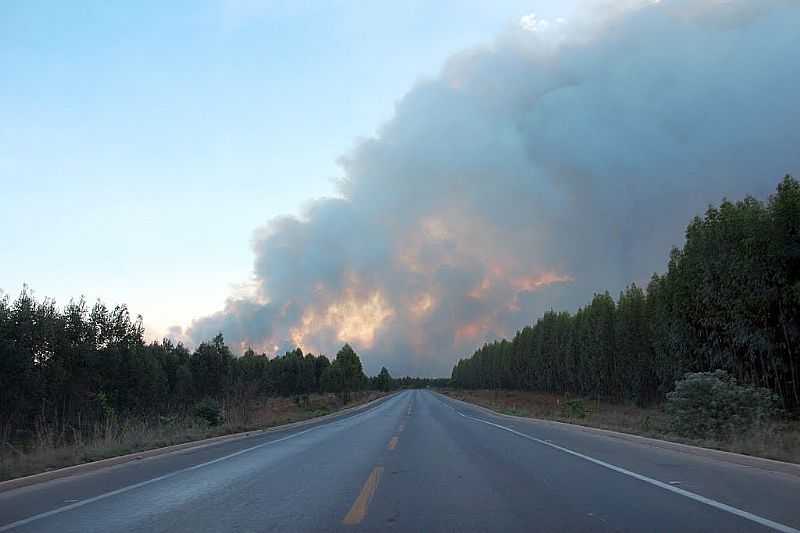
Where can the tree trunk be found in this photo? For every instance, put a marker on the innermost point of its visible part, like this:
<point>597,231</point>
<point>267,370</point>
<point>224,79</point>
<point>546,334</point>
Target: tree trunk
<point>792,367</point>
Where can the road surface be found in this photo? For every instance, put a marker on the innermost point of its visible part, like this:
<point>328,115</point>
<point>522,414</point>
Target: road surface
<point>416,461</point>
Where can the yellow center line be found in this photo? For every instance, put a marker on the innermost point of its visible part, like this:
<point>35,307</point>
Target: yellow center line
<point>359,509</point>
<point>393,442</point>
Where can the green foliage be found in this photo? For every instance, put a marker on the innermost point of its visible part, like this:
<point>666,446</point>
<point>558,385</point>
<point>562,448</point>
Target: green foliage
<point>78,366</point>
<point>352,373</point>
<point>345,375</point>
<point>409,382</point>
<point>712,405</point>
<point>332,380</point>
<point>573,409</point>
<point>105,406</point>
<point>210,411</point>
<point>383,381</point>
<point>211,367</point>
<point>730,300</point>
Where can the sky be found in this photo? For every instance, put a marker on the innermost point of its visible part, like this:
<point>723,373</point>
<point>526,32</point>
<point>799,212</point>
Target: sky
<point>142,143</point>
<point>414,178</point>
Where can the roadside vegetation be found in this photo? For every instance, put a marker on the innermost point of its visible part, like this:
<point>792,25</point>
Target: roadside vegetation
<point>80,384</point>
<point>119,436</point>
<point>777,438</point>
<point>710,350</point>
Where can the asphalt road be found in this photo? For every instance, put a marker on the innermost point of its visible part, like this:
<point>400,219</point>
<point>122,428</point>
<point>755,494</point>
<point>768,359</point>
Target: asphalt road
<point>415,462</point>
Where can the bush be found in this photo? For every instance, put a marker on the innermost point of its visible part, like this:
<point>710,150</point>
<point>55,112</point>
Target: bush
<point>209,411</point>
<point>711,405</point>
<point>573,409</point>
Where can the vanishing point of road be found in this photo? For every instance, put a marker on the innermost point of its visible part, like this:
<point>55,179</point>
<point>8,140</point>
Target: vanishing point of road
<point>416,461</point>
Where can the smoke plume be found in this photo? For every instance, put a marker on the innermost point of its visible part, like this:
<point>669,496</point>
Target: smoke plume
<point>564,159</point>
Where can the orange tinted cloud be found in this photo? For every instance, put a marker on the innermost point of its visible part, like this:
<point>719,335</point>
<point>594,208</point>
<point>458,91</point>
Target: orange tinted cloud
<point>532,283</point>
<point>351,319</point>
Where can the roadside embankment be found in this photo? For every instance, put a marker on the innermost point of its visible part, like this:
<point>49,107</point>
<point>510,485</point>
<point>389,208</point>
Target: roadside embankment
<point>131,439</point>
<point>779,440</point>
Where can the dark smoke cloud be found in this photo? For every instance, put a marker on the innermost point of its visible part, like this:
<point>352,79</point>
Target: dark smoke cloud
<point>530,174</point>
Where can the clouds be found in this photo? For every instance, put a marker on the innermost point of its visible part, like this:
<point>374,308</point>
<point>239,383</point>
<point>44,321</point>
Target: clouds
<point>532,23</point>
<point>528,175</point>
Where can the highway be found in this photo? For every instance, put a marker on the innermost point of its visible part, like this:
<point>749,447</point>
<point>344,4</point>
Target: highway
<point>416,461</point>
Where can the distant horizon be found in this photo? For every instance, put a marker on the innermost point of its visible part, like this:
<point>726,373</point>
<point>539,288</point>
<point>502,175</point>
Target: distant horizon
<point>414,266</point>
<point>254,169</point>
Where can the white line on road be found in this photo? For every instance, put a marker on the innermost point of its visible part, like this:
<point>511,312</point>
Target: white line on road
<point>24,521</point>
<point>105,495</point>
<point>691,495</point>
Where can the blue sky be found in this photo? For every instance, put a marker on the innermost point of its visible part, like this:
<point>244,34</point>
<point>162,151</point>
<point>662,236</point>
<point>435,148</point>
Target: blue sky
<point>142,143</point>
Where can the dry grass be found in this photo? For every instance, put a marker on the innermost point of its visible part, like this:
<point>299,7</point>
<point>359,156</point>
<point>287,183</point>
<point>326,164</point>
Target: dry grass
<point>53,449</point>
<point>778,440</point>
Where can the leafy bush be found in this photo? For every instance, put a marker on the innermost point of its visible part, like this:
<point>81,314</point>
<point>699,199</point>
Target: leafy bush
<point>574,409</point>
<point>168,420</point>
<point>210,411</point>
<point>711,405</point>
<point>105,406</point>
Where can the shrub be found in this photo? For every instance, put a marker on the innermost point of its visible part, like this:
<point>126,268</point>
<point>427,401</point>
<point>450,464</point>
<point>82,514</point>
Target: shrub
<point>168,420</point>
<point>209,411</point>
<point>104,405</point>
<point>711,405</point>
<point>574,409</point>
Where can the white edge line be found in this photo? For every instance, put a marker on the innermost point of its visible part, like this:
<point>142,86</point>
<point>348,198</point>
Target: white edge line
<point>25,521</point>
<point>691,495</point>
<point>105,495</point>
<point>669,445</point>
<point>158,453</point>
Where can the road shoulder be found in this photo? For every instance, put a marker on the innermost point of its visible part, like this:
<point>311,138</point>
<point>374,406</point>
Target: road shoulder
<point>708,453</point>
<point>93,466</point>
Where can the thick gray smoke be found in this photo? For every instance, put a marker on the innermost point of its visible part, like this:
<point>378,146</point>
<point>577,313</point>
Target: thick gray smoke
<point>565,159</point>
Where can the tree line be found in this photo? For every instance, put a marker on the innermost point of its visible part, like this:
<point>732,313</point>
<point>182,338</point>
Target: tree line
<point>729,300</point>
<point>70,367</point>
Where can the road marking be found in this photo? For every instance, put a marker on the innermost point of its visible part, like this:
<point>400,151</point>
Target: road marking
<point>401,428</point>
<point>122,490</point>
<point>691,495</point>
<point>359,509</point>
<point>25,521</point>
<point>393,443</point>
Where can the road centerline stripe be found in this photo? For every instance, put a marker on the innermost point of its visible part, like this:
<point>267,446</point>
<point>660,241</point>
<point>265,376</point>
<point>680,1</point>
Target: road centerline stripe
<point>393,442</point>
<point>671,488</point>
<point>359,509</point>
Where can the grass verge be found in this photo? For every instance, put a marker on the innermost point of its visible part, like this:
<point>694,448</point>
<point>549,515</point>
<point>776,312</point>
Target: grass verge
<point>52,450</point>
<point>779,439</point>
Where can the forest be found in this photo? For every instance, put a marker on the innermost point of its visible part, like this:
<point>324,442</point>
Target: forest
<point>69,368</point>
<point>729,301</point>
